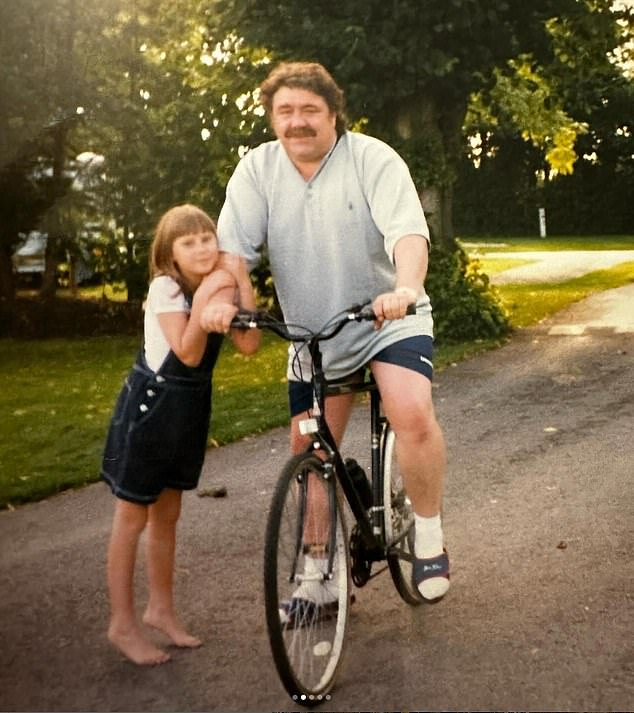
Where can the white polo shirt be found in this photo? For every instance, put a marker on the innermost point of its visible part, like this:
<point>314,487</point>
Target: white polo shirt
<point>330,240</point>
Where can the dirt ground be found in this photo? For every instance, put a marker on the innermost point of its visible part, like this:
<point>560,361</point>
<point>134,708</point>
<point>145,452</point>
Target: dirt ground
<point>539,520</point>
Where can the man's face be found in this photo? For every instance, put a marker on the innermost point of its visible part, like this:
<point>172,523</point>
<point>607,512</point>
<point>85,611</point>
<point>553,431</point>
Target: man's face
<point>303,123</point>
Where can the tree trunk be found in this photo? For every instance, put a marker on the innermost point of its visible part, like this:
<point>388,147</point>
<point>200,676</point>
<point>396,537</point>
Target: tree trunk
<point>441,128</point>
<point>55,227</point>
<point>7,279</point>
<point>53,220</point>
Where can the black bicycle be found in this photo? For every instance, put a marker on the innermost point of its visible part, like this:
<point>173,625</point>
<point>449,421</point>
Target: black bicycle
<point>309,560</point>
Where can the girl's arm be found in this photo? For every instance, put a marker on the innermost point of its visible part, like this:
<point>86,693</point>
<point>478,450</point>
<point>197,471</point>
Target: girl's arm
<point>246,341</point>
<point>217,315</point>
<point>184,333</point>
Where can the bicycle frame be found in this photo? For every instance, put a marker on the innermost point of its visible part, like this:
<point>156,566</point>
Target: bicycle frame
<point>310,560</point>
<point>370,525</point>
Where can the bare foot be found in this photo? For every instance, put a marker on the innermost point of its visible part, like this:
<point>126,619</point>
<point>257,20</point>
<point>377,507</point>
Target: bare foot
<point>171,627</point>
<point>134,646</point>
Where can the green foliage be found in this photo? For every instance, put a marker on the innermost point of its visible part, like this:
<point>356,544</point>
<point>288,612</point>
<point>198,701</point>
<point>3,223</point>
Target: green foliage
<point>531,102</point>
<point>443,49</point>
<point>465,305</point>
<point>44,88</point>
<point>167,93</point>
<point>497,189</point>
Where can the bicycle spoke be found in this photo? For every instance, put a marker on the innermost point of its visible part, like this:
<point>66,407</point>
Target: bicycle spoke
<point>399,523</point>
<point>306,603</point>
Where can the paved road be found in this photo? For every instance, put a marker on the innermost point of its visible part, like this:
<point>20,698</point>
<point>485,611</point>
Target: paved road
<point>539,518</point>
<point>557,266</point>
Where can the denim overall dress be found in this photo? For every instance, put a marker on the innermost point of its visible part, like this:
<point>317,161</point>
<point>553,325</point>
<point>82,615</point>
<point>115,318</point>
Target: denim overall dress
<point>158,433</point>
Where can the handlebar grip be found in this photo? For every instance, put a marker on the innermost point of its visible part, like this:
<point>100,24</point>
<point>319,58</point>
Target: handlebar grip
<point>367,315</point>
<point>245,319</point>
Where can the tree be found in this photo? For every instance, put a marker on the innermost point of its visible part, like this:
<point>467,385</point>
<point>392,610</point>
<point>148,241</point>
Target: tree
<point>45,48</point>
<point>410,67</point>
<point>167,123</point>
<point>583,81</point>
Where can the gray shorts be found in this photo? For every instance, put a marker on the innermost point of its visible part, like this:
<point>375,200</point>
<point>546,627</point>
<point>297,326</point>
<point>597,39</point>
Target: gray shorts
<point>415,353</point>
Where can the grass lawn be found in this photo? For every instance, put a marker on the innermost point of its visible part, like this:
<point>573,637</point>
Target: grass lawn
<point>58,394</point>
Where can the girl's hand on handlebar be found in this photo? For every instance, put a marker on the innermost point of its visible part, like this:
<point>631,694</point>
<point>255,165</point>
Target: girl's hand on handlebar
<point>392,305</point>
<point>216,316</point>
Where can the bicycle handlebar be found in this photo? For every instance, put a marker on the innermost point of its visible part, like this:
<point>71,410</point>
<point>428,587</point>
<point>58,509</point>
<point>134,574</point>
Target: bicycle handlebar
<point>246,319</point>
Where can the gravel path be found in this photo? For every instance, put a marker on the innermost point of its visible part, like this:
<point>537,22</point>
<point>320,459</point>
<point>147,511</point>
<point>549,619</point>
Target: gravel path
<point>557,266</point>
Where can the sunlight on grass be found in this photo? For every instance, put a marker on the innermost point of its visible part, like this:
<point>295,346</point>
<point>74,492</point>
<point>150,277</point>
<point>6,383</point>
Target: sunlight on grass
<point>529,304</point>
<point>494,265</point>
<point>250,394</point>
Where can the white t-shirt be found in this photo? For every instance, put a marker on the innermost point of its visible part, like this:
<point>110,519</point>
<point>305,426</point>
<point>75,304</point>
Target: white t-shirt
<point>164,295</point>
<point>330,240</point>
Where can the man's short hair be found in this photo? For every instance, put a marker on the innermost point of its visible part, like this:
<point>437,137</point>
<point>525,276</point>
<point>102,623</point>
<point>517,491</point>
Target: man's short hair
<point>311,76</point>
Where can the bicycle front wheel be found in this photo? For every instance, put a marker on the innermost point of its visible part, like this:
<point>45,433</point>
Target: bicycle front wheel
<point>399,523</point>
<point>306,579</point>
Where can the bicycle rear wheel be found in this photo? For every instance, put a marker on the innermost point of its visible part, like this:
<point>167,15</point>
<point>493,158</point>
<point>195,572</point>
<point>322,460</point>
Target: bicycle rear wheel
<point>399,523</point>
<point>306,579</point>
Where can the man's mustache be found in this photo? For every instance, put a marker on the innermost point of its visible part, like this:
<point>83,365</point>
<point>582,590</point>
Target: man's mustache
<point>299,132</point>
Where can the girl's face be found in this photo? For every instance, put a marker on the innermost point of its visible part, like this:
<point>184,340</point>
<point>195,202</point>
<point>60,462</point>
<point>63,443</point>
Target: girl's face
<point>195,255</point>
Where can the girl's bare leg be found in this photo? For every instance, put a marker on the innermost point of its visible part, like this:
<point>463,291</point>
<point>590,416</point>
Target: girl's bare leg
<point>161,548</point>
<point>124,631</point>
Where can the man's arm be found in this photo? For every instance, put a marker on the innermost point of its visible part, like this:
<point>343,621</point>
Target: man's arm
<point>411,258</point>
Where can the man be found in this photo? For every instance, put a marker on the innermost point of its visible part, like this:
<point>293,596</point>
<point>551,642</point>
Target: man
<point>342,222</point>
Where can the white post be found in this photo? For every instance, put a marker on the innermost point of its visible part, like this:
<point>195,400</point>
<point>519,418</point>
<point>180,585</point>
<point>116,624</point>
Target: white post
<point>542,222</point>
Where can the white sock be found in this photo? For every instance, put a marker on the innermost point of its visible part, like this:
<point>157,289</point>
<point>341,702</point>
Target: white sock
<point>429,539</point>
<point>429,543</point>
<point>317,590</point>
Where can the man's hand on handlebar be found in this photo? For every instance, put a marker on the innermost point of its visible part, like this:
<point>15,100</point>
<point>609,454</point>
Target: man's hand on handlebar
<point>393,305</point>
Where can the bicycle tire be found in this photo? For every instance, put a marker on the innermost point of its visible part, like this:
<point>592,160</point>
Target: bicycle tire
<point>306,644</point>
<point>399,523</point>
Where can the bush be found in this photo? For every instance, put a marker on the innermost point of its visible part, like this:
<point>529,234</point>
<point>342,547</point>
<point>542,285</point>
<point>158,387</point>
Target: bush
<point>465,305</point>
<point>31,318</point>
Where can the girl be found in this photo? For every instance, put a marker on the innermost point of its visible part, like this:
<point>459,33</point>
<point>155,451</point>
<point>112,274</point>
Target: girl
<point>156,443</point>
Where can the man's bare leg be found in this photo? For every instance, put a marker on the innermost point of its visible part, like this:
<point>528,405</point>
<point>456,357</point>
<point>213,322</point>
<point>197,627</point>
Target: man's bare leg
<point>124,631</point>
<point>421,455</point>
<point>316,523</point>
<point>161,548</point>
